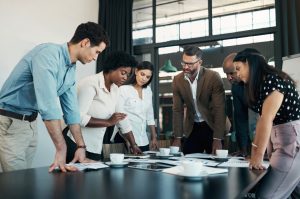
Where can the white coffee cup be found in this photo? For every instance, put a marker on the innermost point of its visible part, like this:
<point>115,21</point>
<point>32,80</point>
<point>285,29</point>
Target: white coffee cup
<point>222,153</point>
<point>174,149</point>
<point>192,168</point>
<point>164,151</point>
<point>116,158</point>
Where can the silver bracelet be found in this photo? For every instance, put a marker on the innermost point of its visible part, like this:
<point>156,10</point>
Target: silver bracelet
<point>217,139</point>
<point>254,145</point>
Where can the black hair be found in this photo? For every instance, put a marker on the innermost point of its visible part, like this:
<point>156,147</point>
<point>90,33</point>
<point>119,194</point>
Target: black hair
<point>193,50</point>
<point>258,69</point>
<point>145,65</point>
<point>92,31</point>
<point>117,60</point>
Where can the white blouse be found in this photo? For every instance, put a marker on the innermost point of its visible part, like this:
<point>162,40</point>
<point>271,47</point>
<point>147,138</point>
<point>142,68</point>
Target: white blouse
<point>96,101</point>
<point>139,111</point>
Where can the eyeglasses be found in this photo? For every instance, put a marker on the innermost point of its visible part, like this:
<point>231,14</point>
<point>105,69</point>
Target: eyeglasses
<point>183,64</point>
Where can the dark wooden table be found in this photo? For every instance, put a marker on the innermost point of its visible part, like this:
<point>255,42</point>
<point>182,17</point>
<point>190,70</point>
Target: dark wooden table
<point>124,183</point>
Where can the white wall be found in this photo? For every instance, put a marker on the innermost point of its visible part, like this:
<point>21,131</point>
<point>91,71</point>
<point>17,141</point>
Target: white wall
<point>291,66</point>
<point>26,23</point>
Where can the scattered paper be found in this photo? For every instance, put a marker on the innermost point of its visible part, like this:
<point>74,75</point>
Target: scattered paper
<point>140,160</point>
<point>138,156</point>
<point>198,155</point>
<point>239,163</point>
<point>84,166</point>
<point>209,170</point>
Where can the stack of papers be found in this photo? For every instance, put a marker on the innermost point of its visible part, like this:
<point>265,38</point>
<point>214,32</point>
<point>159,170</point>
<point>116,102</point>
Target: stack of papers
<point>137,156</point>
<point>84,166</point>
<point>239,163</point>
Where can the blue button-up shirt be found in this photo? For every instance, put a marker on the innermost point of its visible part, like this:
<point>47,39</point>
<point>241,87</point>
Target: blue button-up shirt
<point>41,77</point>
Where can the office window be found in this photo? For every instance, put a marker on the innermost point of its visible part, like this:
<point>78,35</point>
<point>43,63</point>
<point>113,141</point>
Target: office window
<point>272,17</point>
<point>263,38</point>
<point>228,24</point>
<point>244,21</point>
<point>142,36</point>
<point>240,15</point>
<point>187,18</point>
<point>142,22</point>
<point>194,29</point>
<point>167,33</point>
<point>246,40</point>
<point>168,50</point>
<point>262,19</point>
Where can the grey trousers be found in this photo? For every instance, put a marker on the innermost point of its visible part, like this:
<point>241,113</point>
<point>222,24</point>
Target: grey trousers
<point>18,142</point>
<point>283,178</point>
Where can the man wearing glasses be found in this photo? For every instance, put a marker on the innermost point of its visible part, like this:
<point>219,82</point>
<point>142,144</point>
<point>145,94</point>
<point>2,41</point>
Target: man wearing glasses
<point>201,92</point>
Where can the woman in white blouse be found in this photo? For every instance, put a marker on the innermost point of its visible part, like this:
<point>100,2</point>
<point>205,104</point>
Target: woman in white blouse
<point>97,98</point>
<point>136,102</point>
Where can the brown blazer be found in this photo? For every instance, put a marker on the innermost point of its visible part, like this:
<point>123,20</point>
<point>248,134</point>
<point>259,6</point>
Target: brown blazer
<point>210,101</point>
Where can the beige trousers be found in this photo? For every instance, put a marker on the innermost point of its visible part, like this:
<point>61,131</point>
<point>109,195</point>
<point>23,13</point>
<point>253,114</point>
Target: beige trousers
<point>283,178</point>
<point>18,142</point>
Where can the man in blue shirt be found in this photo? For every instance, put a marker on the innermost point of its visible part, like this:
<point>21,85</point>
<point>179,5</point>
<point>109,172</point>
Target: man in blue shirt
<point>44,82</point>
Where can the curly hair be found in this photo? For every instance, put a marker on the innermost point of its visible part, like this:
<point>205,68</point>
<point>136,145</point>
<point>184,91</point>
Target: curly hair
<point>117,60</point>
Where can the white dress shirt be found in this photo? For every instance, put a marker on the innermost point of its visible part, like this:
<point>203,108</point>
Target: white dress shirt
<point>96,101</point>
<point>139,111</point>
<point>194,85</point>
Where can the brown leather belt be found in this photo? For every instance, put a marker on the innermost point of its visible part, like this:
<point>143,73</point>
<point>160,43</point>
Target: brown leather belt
<point>18,116</point>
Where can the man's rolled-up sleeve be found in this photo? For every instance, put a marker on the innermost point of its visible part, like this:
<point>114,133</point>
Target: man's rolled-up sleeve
<point>69,106</point>
<point>44,72</point>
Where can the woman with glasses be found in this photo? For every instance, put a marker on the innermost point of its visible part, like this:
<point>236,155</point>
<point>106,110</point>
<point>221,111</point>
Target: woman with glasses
<point>136,102</point>
<point>97,98</point>
<point>272,93</point>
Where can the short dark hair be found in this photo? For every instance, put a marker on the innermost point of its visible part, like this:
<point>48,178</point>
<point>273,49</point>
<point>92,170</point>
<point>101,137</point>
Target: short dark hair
<point>93,31</point>
<point>193,50</point>
<point>117,60</point>
<point>145,65</point>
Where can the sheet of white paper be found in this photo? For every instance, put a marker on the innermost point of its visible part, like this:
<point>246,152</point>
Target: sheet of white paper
<point>209,170</point>
<point>139,156</point>
<point>140,160</point>
<point>170,162</point>
<point>210,163</point>
<point>205,162</point>
<point>84,166</point>
<point>239,163</point>
<point>198,155</point>
<point>150,152</point>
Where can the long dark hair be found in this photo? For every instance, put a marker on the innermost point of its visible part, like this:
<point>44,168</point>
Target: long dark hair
<point>258,69</point>
<point>145,65</point>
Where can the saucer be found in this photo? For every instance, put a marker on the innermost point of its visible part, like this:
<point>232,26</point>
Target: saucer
<point>178,154</point>
<point>188,177</point>
<point>117,165</point>
<point>163,156</point>
<point>220,159</point>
